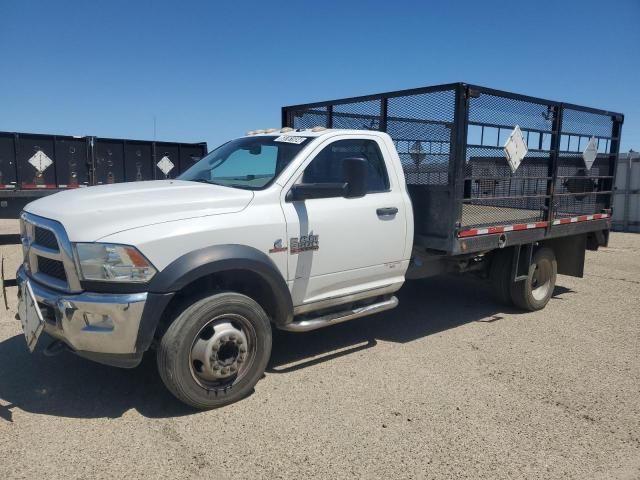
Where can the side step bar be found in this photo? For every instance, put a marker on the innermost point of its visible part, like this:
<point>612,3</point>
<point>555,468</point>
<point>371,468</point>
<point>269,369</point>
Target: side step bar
<point>339,317</point>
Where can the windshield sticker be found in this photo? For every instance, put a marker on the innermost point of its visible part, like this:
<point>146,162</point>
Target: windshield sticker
<point>290,139</point>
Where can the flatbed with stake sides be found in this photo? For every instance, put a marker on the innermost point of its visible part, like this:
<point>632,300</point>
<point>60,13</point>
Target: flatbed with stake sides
<point>450,139</point>
<point>316,223</point>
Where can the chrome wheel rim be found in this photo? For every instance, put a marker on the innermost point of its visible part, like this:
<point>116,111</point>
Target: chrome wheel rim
<point>541,281</point>
<point>223,351</point>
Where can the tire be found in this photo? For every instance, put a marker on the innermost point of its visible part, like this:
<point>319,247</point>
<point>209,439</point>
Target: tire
<point>500,275</point>
<point>535,292</point>
<point>215,351</point>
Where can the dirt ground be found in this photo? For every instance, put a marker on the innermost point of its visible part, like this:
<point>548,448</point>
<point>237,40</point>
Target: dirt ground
<point>448,385</point>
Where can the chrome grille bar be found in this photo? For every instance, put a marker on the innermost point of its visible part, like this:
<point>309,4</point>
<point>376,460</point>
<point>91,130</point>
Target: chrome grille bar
<point>32,250</point>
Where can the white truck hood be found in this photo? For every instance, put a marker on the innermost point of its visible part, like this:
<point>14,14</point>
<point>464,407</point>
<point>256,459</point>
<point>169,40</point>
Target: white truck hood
<point>89,214</point>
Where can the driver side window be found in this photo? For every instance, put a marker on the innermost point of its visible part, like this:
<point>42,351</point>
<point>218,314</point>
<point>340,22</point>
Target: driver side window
<point>327,166</point>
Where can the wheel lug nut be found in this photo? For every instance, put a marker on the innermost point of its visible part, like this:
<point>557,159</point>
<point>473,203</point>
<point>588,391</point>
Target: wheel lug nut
<point>224,371</point>
<point>239,341</point>
<point>215,347</point>
<point>216,367</point>
<point>232,338</point>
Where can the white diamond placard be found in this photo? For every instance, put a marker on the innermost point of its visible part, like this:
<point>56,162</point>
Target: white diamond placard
<point>165,165</point>
<point>515,149</point>
<point>40,161</point>
<point>590,153</point>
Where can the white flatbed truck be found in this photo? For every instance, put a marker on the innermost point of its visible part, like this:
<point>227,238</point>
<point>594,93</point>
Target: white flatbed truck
<point>300,228</point>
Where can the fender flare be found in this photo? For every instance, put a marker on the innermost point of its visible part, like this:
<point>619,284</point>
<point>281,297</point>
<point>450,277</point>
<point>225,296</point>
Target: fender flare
<point>201,263</point>
<point>219,258</point>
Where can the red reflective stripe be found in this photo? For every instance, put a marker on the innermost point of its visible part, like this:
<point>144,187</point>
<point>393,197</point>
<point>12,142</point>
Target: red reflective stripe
<point>34,185</point>
<point>527,226</point>
<point>580,218</point>
<point>468,233</point>
<point>505,228</point>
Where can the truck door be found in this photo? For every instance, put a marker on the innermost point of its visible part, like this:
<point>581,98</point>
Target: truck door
<point>342,246</point>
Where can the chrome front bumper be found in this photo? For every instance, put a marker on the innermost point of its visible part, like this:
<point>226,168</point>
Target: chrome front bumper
<point>90,323</point>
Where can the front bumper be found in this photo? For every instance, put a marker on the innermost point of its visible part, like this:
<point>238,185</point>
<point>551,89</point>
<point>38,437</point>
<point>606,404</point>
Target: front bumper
<point>102,327</point>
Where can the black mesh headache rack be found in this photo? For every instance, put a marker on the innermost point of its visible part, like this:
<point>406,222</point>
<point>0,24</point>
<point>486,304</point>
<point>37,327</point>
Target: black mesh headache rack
<point>465,195</point>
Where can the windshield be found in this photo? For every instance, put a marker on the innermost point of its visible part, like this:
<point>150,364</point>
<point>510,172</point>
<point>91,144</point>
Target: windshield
<point>248,162</point>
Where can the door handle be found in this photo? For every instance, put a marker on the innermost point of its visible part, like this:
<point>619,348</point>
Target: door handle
<point>385,212</point>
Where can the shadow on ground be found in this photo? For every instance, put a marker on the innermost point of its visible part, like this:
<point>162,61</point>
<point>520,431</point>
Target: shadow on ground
<point>69,386</point>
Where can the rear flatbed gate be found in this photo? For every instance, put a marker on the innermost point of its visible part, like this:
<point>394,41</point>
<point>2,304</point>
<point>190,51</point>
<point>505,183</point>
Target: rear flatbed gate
<point>466,197</point>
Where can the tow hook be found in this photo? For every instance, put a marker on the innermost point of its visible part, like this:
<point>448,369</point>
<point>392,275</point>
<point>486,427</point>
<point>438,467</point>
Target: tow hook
<point>55,348</point>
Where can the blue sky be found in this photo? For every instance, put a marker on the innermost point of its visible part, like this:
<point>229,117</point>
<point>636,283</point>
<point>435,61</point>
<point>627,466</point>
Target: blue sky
<point>213,70</point>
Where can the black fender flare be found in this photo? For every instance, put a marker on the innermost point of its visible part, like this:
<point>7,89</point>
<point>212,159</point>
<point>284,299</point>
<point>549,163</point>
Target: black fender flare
<point>201,263</point>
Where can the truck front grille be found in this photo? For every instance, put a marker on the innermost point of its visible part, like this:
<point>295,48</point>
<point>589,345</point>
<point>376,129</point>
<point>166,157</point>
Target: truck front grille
<point>48,256</point>
<point>53,268</point>
<point>45,238</point>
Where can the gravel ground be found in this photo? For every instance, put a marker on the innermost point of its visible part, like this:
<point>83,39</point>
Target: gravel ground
<point>448,385</point>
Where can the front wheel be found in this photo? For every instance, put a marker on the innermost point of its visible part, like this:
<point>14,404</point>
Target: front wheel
<point>536,290</point>
<point>215,351</point>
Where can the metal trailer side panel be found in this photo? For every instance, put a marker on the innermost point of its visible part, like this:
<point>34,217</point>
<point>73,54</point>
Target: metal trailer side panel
<point>169,151</point>
<point>108,161</point>
<point>626,207</point>
<point>138,161</point>
<point>73,162</point>
<point>28,146</point>
<point>190,154</point>
<point>8,173</point>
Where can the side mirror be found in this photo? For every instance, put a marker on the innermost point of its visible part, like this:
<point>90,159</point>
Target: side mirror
<point>355,174</point>
<point>303,191</point>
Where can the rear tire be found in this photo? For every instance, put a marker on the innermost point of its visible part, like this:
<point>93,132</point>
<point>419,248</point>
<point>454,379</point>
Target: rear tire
<point>215,351</point>
<point>500,275</point>
<point>535,292</point>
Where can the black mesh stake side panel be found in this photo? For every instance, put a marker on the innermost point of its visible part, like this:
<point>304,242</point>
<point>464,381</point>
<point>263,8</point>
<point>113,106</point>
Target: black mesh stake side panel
<point>420,122</point>
<point>312,117</point>
<point>578,189</point>
<point>493,194</point>
<point>451,146</point>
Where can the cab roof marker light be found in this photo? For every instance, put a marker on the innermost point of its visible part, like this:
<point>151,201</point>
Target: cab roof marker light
<point>318,129</point>
<point>270,130</point>
<point>259,132</point>
<point>251,132</point>
<point>286,129</point>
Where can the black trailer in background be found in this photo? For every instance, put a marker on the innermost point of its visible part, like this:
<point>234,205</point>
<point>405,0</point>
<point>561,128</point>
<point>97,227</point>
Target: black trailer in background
<point>78,162</point>
<point>466,198</point>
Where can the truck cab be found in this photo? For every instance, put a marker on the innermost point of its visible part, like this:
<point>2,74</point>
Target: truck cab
<point>296,229</point>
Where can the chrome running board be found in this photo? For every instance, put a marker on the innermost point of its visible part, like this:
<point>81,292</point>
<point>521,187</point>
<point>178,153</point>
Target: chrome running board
<point>339,317</point>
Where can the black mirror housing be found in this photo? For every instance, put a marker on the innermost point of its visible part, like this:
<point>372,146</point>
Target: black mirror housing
<point>304,191</point>
<point>355,174</point>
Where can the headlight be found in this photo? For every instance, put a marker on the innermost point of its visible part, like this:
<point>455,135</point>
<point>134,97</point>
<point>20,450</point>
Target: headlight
<point>109,262</point>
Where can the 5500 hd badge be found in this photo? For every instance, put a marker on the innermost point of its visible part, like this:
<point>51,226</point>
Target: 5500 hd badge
<point>304,243</point>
